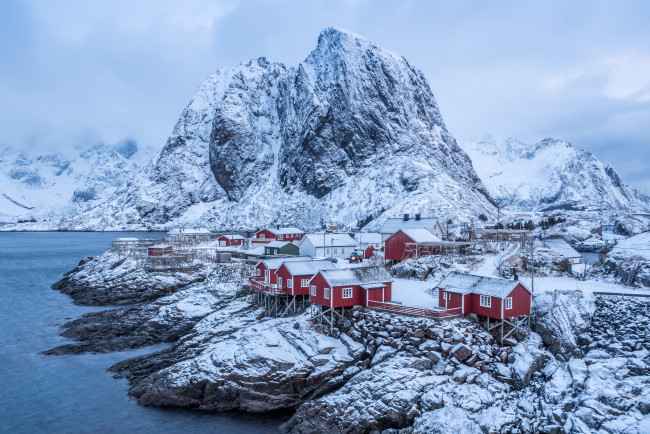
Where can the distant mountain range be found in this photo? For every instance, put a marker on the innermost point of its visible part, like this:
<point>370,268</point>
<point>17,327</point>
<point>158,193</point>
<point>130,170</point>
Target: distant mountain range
<point>55,184</point>
<point>550,175</point>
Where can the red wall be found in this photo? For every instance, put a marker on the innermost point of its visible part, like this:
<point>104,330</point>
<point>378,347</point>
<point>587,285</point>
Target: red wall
<point>454,300</point>
<point>368,252</point>
<point>230,242</point>
<point>273,278</point>
<point>267,234</point>
<point>521,301</point>
<point>493,312</point>
<point>157,251</point>
<point>395,246</point>
<point>358,294</point>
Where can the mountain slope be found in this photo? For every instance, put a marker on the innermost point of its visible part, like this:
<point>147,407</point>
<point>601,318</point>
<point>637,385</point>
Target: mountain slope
<point>550,175</point>
<point>353,130</point>
<point>58,184</point>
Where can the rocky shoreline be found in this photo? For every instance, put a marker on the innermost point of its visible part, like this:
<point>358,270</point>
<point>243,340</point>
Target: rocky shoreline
<point>377,371</point>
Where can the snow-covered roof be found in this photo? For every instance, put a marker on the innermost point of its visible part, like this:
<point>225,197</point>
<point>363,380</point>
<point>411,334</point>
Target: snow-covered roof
<point>482,285</point>
<point>638,245</point>
<point>127,240</point>
<point>393,225</point>
<point>277,244</point>
<point>160,246</point>
<point>232,237</point>
<point>304,268</point>
<point>368,237</point>
<point>356,276</point>
<point>285,231</point>
<point>274,263</point>
<point>331,240</point>
<point>561,247</point>
<point>420,235</point>
<point>257,251</point>
<point>188,231</point>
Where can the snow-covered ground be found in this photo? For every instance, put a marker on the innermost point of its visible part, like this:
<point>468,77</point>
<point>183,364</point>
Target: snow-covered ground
<point>414,293</point>
<point>587,287</point>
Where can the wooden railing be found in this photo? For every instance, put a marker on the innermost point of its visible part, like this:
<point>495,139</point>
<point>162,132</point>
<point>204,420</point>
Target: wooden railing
<point>259,285</point>
<point>431,313</point>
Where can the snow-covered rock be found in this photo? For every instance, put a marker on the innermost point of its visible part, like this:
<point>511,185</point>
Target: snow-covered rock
<point>352,131</point>
<point>550,175</point>
<point>35,186</point>
<point>629,260</point>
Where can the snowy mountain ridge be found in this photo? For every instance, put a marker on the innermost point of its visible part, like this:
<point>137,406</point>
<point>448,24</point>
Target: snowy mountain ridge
<point>550,175</point>
<point>352,131</point>
<point>59,184</point>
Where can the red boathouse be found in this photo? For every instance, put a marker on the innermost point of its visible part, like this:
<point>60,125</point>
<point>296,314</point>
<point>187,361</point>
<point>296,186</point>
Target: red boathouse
<point>230,240</point>
<point>159,250</point>
<point>293,277</point>
<point>350,287</point>
<point>395,247</point>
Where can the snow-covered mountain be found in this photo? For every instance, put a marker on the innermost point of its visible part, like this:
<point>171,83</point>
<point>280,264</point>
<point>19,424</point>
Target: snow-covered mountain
<point>352,131</point>
<point>550,175</point>
<point>58,184</point>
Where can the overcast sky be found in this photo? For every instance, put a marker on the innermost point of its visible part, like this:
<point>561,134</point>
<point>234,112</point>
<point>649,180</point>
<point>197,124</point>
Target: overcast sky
<point>78,72</point>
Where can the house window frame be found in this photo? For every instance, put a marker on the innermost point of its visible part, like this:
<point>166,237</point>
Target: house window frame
<point>279,282</point>
<point>280,237</point>
<point>262,236</point>
<point>485,301</point>
<point>327,251</point>
<point>290,283</point>
<point>313,290</point>
<point>258,272</point>
<point>349,290</point>
<point>326,293</point>
<point>336,251</point>
<point>304,283</point>
<point>508,303</point>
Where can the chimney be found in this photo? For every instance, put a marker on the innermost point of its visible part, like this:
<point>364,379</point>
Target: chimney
<point>277,226</point>
<point>406,217</point>
<point>515,277</point>
<point>417,217</point>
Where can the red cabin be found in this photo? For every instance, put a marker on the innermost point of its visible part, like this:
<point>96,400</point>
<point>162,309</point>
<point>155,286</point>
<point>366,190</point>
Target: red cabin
<point>230,240</point>
<point>265,278</point>
<point>279,234</point>
<point>159,250</point>
<point>490,297</point>
<point>350,287</point>
<point>293,277</point>
<point>368,250</point>
<point>396,249</point>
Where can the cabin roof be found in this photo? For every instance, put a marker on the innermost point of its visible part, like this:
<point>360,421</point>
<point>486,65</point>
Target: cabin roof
<point>368,237</point>
<point>160,246</point>
<point>232,237</point>
<point>393,225</point>
<point>331,240</point>
<point>471,284</point>
<point>356,276</point>
<point>561,247</point>
<point>275,263</point>
<point>127,239</point>
<point>304,268</point>
<point>278,244</point>
<point>284,231</point>
<point>420,235</point>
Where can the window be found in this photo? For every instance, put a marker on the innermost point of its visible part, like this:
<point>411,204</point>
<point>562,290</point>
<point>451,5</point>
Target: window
<point>343,251</point>
<point>313,290</point>
<point>304,283</point>
<point>280,282</point>
<point>327,251</point>
<point>335,251</point>
<point>266,276</point>
<point>327,293</point>
<point>262,236</point>
<point>486,301</point>
<point>279,237</point>
<point>347,292</point>
<point>259,272</point>
<point>509,303</point>
<point>444,295</point>
<point>290,283</point>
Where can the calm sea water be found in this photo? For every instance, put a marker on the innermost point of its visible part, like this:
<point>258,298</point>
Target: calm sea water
<point>71,394</point>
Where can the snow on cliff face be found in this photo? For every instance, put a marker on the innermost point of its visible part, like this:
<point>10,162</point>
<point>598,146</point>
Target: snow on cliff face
<point>550,175</point>
<point>353,130</point>
<point>58,184</point>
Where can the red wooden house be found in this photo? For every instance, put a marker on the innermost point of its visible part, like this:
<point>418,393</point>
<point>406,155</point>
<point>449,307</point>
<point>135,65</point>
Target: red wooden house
<point>489,297</point>
<point>279,234</point>
<point>293,277</point>
<point>230,240</point>
<point>350,287</point>
<point>159,250</point>
<point>368,250</point>
<point>265,278</point>
<point>395,247</point>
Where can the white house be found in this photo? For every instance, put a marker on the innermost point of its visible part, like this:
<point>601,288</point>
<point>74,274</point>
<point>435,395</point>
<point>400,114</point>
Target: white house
<point>564,249</point>
<point>324,245</point>
<point>393,225</point>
